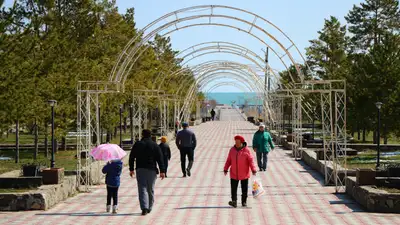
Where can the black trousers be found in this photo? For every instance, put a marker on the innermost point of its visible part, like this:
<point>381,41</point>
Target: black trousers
<point>166,164</point>
<point>244,184</point>
<point>112,192</point>
<point>189,152</point>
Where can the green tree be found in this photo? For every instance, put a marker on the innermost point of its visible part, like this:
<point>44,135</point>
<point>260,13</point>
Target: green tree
<point>371,21</point>
<point>327,55</point>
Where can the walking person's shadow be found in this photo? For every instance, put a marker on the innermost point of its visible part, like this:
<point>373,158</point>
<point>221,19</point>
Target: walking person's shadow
<point>88,214</point>
<point>210,207</point>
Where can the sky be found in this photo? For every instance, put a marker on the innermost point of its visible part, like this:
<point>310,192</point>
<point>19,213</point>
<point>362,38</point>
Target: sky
<point>298,19</point>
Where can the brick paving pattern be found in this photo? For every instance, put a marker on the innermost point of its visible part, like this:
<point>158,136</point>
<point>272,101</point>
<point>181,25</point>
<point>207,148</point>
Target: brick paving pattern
<point>294,193</point>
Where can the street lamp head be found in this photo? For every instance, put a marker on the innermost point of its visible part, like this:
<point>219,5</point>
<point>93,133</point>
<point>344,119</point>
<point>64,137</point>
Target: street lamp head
<point>379,105</point>
<point>52,102</point>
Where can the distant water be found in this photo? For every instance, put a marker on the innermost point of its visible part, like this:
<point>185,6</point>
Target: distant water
<point>238,97</point>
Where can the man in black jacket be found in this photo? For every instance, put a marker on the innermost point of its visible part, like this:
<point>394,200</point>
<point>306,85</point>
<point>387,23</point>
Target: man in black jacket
<point>147,155</point>
<point>186,143</point>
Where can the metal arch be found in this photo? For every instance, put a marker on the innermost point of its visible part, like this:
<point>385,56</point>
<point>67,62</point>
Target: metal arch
<point>225,74</point>
<point>217,63</point>
<point>190,95</point>
<point>218,68</point>
<point>170,77</point>
<point>244,77</point>
<point>217,76</point>
<point>215,24</point>
<point>224,64</point>
<point>121,57</point>
<point>233,84</point>
<point>203,67</point>
<point>236,49</point>
<point>243,52</point>
<point>193,88</point>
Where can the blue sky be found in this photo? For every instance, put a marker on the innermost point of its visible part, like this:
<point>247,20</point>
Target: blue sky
<point>299,19</point>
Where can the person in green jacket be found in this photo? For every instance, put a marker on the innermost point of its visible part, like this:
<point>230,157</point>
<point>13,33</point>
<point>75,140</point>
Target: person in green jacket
<point>261,140</point>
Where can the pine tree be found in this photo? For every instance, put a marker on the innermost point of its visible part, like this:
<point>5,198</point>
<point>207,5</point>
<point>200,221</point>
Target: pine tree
<point>371,21</point>
<point>327,55</point>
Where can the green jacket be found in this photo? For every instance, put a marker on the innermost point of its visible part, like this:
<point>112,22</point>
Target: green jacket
<point>261,141</point>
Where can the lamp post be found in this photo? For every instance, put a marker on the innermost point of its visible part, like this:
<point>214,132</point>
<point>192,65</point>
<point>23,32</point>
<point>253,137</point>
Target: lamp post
<point>52,103</point>
<point>120,126</point>
<point>378,145</point>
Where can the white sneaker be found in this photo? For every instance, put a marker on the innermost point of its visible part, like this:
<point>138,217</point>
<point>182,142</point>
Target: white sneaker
<point>108,208</point>
<point>115,209</point>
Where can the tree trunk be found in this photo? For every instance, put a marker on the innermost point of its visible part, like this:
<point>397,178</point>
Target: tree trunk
<point>375,137</point>
<point>108,138</point>
<point>64,143</point>
<point>363,135</point>
<point>36,141</point>
<point>385,134</point>
<point>125,124</point>
<point>115,131</point>
<point>17,141</point>
<point>358,134</point>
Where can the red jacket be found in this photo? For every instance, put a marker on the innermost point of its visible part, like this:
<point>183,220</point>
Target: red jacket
<point>241,162</point>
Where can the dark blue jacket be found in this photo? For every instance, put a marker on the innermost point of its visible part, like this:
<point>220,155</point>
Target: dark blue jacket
<point>186,139</point>
<point>113,172</point>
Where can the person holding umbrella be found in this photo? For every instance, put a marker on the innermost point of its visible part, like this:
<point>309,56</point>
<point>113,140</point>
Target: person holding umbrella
<point>113,171</point>
<point>113,154</point>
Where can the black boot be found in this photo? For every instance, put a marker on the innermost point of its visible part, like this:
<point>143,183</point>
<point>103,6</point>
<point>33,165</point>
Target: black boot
<point>145,212</point>
<point>233,204</point>
<point>244,201</point>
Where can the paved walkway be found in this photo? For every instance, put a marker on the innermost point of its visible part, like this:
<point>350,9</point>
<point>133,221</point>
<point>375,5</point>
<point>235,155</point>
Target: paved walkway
<point>294,194</point>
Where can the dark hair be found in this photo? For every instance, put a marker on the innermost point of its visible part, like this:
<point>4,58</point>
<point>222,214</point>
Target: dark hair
<point>146,133</point>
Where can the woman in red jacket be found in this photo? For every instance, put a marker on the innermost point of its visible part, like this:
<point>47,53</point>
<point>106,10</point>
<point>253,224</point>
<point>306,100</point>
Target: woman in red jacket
<point>240,160</point>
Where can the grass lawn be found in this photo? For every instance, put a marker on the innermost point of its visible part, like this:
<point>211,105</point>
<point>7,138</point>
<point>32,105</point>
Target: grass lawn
<point>367,160</point>
<point>65,159</point>
<point>390,190</point>
<point>23,139</point>
<point>12,190</point>
<point>369,138</point>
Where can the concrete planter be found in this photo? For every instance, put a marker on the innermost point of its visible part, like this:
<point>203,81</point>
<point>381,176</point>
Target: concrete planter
<point>30,170</point>
<point>365,177</point>
<point>53,175</point>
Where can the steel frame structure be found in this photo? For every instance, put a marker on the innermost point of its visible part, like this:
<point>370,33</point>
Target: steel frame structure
<point>333,118</point>
<point>88,92</point>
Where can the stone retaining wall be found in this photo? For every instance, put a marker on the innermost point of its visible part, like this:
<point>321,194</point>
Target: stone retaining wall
<point>374,200</point>
<point>20,182</point>
<point>42,199</point>
<point>310,158</point>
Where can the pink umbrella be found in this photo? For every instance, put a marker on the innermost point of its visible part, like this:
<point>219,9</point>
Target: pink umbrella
<point>107,152</point>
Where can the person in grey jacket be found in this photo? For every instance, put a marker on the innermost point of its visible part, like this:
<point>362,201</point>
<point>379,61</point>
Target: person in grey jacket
<point>186,143</point>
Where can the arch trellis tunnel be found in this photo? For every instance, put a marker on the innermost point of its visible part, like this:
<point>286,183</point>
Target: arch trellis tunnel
<point>306,97</point>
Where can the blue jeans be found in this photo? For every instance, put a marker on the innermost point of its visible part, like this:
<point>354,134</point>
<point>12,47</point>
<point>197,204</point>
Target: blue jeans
<point>146,180</point>
<point>262,159</point>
